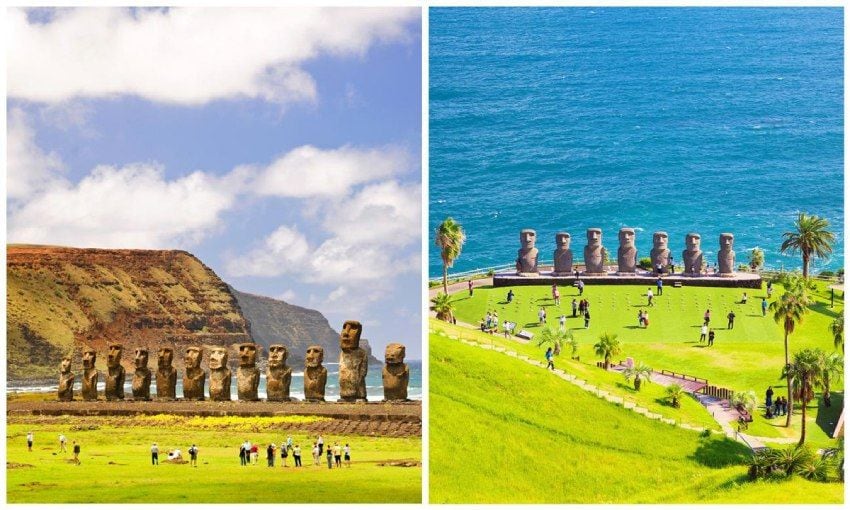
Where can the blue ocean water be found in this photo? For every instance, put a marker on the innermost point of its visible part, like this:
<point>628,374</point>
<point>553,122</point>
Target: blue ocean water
<point>679,119</point>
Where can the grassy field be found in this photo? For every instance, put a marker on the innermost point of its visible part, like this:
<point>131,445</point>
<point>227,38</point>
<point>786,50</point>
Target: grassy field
<point>503,431</point>
<point>116,465</point>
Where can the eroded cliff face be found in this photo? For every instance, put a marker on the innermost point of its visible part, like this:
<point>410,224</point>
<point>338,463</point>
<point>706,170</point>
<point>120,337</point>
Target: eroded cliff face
<point>60,300</point>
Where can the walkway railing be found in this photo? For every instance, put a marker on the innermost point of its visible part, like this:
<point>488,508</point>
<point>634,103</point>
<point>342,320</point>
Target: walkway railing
<point>684,376</point>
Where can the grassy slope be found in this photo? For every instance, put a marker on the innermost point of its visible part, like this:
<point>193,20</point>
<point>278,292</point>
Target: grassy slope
<point>219,478</point>
<point>502,431</point>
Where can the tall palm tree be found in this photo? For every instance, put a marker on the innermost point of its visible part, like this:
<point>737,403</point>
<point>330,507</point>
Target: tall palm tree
<point>640,372</point>
<point>806,372</point>
<point>607,346</point>
<point>788,311</point>
<point>832,369</point>
<point>443,306</point>
<point>810,238</point>
<point>450,238</point>
<point>557,339</point>
<point>837,330</point>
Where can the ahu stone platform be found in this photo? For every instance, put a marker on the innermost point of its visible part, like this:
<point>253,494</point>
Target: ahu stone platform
<point>738,280</point>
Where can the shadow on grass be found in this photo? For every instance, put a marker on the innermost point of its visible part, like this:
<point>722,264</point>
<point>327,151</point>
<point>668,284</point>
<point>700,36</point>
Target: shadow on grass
<point>628,387</point>
<point>717,453</point>
<point>700,346</point>
<point>824,309</point>
<point>828,416</point>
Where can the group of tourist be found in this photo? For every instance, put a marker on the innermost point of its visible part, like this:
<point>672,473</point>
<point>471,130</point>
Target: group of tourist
<point>335,454</point>
<point>778,407</point>
<point>643,318</point>
<point>706,333</point>
<point>175,455</point>
<point>63,445</point>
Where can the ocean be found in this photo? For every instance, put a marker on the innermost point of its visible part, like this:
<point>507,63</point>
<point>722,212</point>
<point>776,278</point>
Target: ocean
<point>678,119</point>
<point>374,384</point>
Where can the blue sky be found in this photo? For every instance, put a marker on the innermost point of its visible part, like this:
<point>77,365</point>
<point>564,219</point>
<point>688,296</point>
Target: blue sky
<point>280,146</point>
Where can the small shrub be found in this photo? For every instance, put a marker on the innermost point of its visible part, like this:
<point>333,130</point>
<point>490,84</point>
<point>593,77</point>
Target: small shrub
<point>645,263</point>
<point>827,273</point>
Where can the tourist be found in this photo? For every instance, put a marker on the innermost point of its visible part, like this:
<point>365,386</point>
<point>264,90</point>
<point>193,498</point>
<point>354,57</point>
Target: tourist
<point>284,453</point>
<point>487,319</point>
<point>495,330</point>
<point>549,362</point>
<point>710,338</point>
<point>659,285</point>
<point>270,455</point>
<point>649,296</point>
<point>581,307</point>
<point>575,307</point>
<point>320,442</point>
<point>763,307</point>
<point>556,294</point>
<point>640,318</point>
<point>62,443</point>
<point>470,287</point>
<point>577,275</point>
<point>769,289</point>
<point>768,397</point>
<point>193,456</point>
<point>338,455</point>
<point>30,438</point>
<point>744,299</point>
<point>255,453</point>
<point>541,315</point>
<point>731,317</point>
<point>510,295</point>
<point>175,454</point>
<point>784,406</point>
<point>707,317</point>
<point>586,319</point>
<point>580,288</point>
<point>244,452</point>
<point>672,267</point>
<point>296,454</point>
<point>154,455</point>
<point>347,451</point>
<point>562,323</point>
<point>703,333</point>
<point>505,328</point>
<point>289,442</point>
<point>646,319</point>
<point>315,453</point>
<point>330,457</point>
<point>76,453</point>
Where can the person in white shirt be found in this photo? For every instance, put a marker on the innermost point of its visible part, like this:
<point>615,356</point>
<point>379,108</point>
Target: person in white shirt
<point>702,333</point>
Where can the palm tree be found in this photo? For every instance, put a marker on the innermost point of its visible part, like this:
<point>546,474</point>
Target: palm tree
<point>788,310</point>
<point>444,307</point>
<point>837,330</point>
<point>675,393</point>
<point>806,372</point>
<point>556,338</point>
<point>810,238</point>
<point>640,372</point>
<point>573,343</point>
<point>450,238</point>
<point>607,346</point>
<point>745,400</point>
<point>832,368</point>
<point>756,258</point>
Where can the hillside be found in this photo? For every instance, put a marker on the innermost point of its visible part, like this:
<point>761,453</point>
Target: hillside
<point>273,321</point>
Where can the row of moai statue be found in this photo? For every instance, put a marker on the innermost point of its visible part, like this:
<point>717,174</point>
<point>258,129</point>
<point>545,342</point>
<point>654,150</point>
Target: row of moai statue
<point>353,366</point>
<point>627,257</point>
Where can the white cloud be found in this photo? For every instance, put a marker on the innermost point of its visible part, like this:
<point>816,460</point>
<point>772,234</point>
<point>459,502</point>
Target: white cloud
<point>187,55</point>
<point>284,251</point>
<point>28,168</point>
<point>387,213</point>
<point>308,171</point>
<point>129,207</point>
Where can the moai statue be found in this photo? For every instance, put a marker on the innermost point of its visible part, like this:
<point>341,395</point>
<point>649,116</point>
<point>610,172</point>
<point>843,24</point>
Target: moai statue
<point>278,375</point>
<point>194,377</point>
<point>248,375</point>
<point>594,259</point>
<point>219,374</point>
<point>692,256</point>
<point>89,374</point>
<point>353,363</point>
<point>142,375</point>
<point>166,375</point>
<point>627,253</point>
<point>526,260</point>
<point>396,373</point>
<point>726,257</point>
<point>66,381</point>
<point>114,373</point>
<point>315,375</point>
<point>563,254</point>
<point>660,254</point>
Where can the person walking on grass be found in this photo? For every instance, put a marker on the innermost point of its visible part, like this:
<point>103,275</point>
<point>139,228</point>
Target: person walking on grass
<point>255,453</point>
<point>731,317</point>
<point>330,456</point>
<point>154,455</point>
<point>549,362</point>
<point>347,451</point>
<point>710,337</point>
<point>575,307</point>
<point>646,319</point>
<point>580,288</point>
<point>649,297</point>
<point>703,333</point>
<point>270,455</point>
<point>30,439</point>
<point>763,307</point>
<point>315,453</point>
<point>659,285</point>
<point>706,317</point>
<point>76,453</point>
<point>296,454</point>
<point>640,318</point>
<point>541,316</point>
<point>284,453</point>
<point>62,441</point>
<point>193,456</point>
<point>556,294</point>
<point>337,455</point>
<point>470,287</point>
<point>586,319</point>
<point>562,323</point>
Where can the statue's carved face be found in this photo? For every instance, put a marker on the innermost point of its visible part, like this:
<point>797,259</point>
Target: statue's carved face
<point>141,358</point>
<point>165,357</point>
<point>315,356</point>
<point>693,241</point>
<point>193,357</point>
<point>113,355</point>
<point>89,358</point>
<point>562,241</point>
<point>627,237</point>
<point>726,241</point>
<point>277,355</point>
<point>594,236</point>
<point>660,239</point>
<point>65,366</point>
<point>394,354</point>
<point>247,355</point>
<point>527,238</point>
<point>349,337</point>
<point>218,358</point>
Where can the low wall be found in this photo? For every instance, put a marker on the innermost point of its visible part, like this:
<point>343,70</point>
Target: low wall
<point>739,280</point>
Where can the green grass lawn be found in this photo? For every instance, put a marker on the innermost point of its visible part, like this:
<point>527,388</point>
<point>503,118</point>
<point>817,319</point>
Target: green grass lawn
<point>116,465</point>
<point>503,431</point>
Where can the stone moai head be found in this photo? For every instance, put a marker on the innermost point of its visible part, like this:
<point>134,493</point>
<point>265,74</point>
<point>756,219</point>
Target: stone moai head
<point>349,337</point>
<point>65,365</point>
<point>277,355</point>
<point>315,356</point>
<point>113,355</point>
<point>89,358</point>
<point>562,240</point>
<point>141,358</point>
<point>164,357</point>
<point>726,241</point>
<point>693,241</point>
<point>247,355</point>
<point>527,238</point>
<point>659,240</point>
<point>594,236</point>
<point>394,354</point>
<point>627,237</point>
<point>218,358</point>
<point>194,355</point>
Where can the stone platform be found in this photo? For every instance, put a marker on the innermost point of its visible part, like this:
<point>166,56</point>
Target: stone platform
<point>738,280</point>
